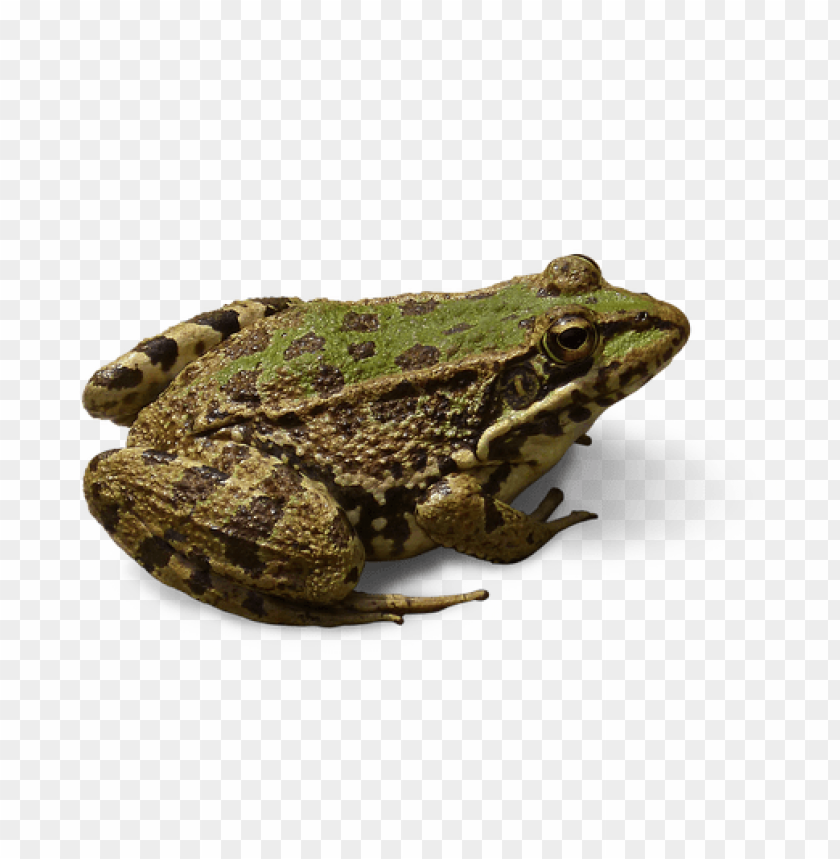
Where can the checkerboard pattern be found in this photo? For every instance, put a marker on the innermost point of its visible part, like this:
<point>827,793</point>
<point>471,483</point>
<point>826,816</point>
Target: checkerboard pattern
<point>663,682</point>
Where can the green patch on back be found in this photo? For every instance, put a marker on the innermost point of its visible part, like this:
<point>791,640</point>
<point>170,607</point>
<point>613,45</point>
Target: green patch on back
<point>453,328</point>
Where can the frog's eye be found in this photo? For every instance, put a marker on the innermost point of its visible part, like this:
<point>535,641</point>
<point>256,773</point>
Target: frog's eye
<point>570,339</point>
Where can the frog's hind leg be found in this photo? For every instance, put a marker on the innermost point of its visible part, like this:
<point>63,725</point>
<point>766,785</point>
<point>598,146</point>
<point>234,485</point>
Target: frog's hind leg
<point>201,583</point>
<point>253,537</point>
<point>356,608</point>
<point>243,532</point>
<point>119,390</point>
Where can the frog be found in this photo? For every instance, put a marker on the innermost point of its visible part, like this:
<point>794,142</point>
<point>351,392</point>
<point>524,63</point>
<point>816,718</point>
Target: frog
<point>276,445</point>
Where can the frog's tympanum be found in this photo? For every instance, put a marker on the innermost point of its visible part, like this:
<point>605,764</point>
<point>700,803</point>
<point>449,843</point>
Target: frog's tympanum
<point>278,444</point>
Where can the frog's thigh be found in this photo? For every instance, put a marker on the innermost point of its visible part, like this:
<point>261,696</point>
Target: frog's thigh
<point>259,525</point>
<point>458,514</point>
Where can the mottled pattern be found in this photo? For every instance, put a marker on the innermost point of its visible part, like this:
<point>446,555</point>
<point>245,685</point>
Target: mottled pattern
<point>286,442</point>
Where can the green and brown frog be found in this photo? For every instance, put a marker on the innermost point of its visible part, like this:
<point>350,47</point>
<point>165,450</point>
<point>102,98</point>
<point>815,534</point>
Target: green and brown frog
<point>277,444</point>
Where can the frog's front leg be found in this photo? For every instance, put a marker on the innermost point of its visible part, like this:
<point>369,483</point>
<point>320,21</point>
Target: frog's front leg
<point>120,389</point>
<point>457,513</point>
<point>242,531</point>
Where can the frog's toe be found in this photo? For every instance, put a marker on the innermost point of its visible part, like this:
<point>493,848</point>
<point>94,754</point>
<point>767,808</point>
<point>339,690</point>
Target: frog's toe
<point>558,525</point>
<point>400,605</point>
<point>553,498</point>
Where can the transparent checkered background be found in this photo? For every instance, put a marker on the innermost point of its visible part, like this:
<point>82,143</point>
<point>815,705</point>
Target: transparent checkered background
<point>663,682</point>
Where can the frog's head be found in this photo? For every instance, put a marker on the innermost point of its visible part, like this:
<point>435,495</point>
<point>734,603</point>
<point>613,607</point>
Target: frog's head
<point>589,345</point>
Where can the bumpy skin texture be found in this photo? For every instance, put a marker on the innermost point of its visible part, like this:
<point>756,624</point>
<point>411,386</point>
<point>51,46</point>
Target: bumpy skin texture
<point>276,444</point>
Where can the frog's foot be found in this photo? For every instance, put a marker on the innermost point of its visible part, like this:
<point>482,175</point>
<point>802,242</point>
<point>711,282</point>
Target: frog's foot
<point>400,605</point>
<point>223,593</point>
<point>456,512</point>
<point>553,498</point>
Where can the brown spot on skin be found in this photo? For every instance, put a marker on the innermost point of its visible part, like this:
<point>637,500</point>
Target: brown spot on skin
<point>199,347</point>
<point>255,604</point>
<point>330,380</point>
<point>411,307</point>
<point>154,553</point>
<point>339,533</point>
<point>198,483</point>
<point>160,350</point>
<point>529,323</point>
<point>360,322</point>
<point>497,478</point>
<point>627,376</point>
<point>346,420</point>
<point>252,341</point>
<point>231,456</point>
<point>549,291</point>
<point>241,552</point>
<point>157,457</point>
<point>226,322</point>
<point>173,536</point>
<point>308,344</point>
<point>93,465</point>
<point>462,380</point>
<point>358,351</point>
<point>282,483</point>
<point>242,386</point>
<point>287,421</point>
<point>403,390</point>
<point>642,321</point>
<point>255,523</point>
<point>493,519</point>
<point>393,410</point>
<point>579,414</point>
<point>418,357</point>
<point>274,305</point>
<point>199,582</point>
<point>117,378</point>
<point>108,516</point>
<point>458,329</point>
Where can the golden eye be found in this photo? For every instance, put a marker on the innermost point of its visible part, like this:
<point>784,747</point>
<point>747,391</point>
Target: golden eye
<point>570,339</point>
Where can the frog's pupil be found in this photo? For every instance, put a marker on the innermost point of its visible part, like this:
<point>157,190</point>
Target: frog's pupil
<point>572,338</point>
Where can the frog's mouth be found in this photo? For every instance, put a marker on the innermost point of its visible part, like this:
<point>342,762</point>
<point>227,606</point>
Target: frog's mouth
<point>635,347</point>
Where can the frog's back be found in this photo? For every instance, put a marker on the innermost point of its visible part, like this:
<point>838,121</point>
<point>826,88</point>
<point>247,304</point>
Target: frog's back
<point>342,373</point>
